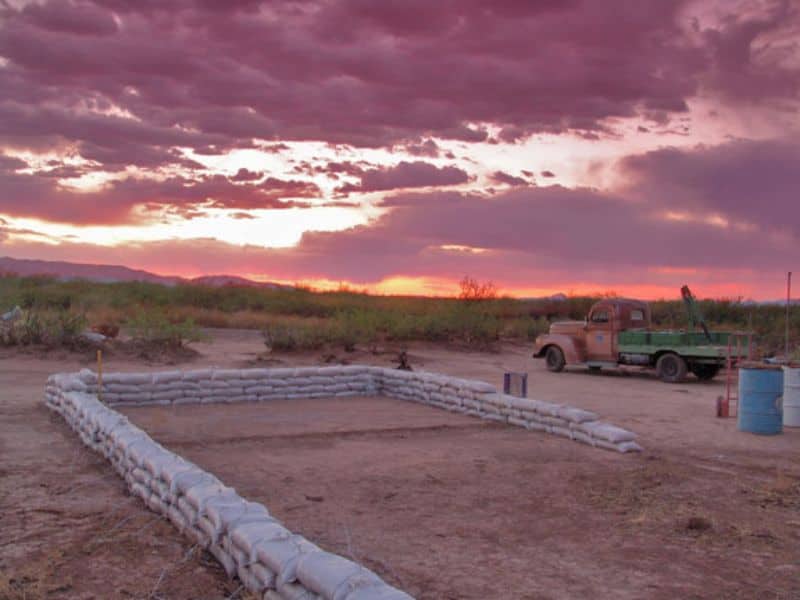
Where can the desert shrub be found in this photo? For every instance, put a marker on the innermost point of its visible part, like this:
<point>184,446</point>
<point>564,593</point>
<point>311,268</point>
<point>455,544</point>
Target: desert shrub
<point>473,290</point>
<point>296,336</point>
<point>52,328</point>
<point>351,327</point>
<point>154,327</point>
<point>474,326</point>
<point>525,328</point>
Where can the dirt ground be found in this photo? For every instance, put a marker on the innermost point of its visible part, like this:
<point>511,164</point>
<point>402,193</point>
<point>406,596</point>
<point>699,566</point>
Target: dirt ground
<point>442,505</point>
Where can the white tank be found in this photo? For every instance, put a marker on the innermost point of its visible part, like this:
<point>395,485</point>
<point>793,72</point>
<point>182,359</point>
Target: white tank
<point>791,397</point>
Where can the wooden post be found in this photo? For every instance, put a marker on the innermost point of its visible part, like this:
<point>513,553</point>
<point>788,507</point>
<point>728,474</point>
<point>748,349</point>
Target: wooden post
<point>100,375</point>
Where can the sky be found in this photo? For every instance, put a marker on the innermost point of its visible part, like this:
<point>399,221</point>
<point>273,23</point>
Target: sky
<point>548,146</point>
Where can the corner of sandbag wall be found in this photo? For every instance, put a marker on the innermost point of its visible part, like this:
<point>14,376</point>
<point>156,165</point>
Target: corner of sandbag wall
<point>248,542</point>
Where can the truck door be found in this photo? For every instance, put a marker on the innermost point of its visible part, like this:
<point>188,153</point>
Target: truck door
<point>600,334</point>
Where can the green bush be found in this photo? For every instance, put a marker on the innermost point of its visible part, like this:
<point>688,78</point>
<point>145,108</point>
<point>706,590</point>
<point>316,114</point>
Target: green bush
<point>295,336</point>
<point>154,327</point>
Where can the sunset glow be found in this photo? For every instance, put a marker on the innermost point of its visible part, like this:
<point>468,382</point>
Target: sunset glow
<point>394,148</point>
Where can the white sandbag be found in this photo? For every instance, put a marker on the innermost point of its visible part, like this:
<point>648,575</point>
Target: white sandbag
<point>562,431</point>
<point>363,580</point>
<point>256,578</point>
<point>280,373</point>
<point>211,532</point>
<point>140,491</point>
<point>377,592</point>
<point>259,374</point>
<point>480,387</point>
<point>182,481</point>
<point>536,426</point>
<point>494,417</point>
<point>547,408</point>
<point>226,511</point>
<point>130,379</point>
<point>192,399</point>
<point>225,559</point>
<point>226,374</point>
<point>282,555</point>
<point>259,389</point>
<point>247,536</point>
<point>187,510</point>
<point>554,421</point>
<point>87,376</point>
<point>224,385</point>
<point>198,536</point>
<point>235,398</point>
<point>324,573</point>
<point>156,504</point>
<point>585,438</point>
<point>576,415</point>
<point>120,388</point>
<point>176,518</point>
<point>167,396</point>
<point>623,447</point>
<point>166,376</point>
<point>263,575</point>
<point>295,591</point>
<point>131,398</point>
<point>197,375</point>
<point>608,432</point>
<point>518,421</point>
<point>525,404</point>
<point>198,495</point>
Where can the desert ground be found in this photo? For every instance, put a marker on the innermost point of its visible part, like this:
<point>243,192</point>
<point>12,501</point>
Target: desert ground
<point>441,505</point>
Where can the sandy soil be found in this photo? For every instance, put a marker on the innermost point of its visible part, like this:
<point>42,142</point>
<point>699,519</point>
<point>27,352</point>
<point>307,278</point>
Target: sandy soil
<point>443,505</point>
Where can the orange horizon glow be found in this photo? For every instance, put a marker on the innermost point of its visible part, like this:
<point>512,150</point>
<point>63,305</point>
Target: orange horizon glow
<point>439,287</point>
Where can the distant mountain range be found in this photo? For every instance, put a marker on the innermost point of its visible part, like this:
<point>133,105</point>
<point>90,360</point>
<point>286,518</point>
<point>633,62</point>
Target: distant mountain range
<point>66,271</point>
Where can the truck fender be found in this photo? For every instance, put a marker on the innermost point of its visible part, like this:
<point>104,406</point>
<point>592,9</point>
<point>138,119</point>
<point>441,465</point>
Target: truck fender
<point>572,354</point>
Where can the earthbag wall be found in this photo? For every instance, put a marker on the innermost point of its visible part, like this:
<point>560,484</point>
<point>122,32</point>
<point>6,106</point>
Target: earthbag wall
<point>269,559</point>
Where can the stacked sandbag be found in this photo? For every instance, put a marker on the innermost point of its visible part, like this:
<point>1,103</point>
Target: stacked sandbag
<point>269,559</point>
<point>450,393</point>
<point>230,385</point>
<point>558,419</point>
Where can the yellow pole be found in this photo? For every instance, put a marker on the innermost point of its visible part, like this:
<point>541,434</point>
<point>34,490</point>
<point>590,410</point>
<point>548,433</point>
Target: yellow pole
<point>100,375</point>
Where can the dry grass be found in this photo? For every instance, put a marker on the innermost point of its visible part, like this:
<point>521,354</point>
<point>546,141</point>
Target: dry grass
<point>39,579</point>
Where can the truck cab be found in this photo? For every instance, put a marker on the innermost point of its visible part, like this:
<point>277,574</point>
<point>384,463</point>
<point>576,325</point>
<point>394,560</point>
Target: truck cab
<point>593,341</point>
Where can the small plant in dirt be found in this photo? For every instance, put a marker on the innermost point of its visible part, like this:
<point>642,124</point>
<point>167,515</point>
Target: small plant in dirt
<point>155,328</point>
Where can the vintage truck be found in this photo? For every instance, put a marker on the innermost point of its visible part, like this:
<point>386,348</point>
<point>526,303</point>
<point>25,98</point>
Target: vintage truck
<point>618,332</point>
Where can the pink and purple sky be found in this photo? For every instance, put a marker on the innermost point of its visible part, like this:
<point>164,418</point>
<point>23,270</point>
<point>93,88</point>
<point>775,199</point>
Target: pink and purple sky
<point>545,145</point>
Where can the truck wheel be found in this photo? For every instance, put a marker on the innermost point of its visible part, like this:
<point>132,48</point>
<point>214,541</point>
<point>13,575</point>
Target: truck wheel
<point>671,368</point>
<point>554,359</point>
<point>705,372</point>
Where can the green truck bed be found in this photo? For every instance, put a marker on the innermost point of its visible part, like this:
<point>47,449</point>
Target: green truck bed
<point>685,343</point>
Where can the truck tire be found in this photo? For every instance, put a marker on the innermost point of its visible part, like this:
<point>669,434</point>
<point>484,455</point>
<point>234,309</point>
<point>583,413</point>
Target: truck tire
<point>704,372</point>
<point>671,368</point>
<point>554,359</point>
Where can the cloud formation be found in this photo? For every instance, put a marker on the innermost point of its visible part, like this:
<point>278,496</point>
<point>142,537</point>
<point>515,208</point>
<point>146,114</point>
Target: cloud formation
<point>746,181</point>
<point>403,175</point>
<point>128,83</point>
<point>40,196</point>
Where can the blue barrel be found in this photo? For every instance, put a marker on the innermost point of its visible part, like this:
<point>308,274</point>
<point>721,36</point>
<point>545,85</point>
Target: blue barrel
<point>760,400</point>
